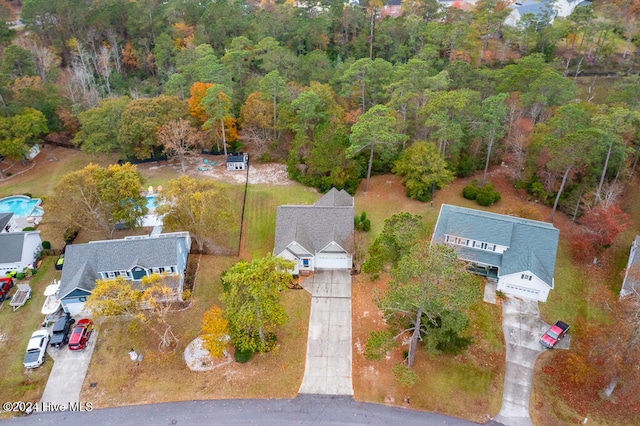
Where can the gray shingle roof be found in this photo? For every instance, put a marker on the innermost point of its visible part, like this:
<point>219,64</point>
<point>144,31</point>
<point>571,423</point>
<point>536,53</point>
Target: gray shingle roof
<point>83,262</point>
<point>11,244</point>
<point>335,198</point>
<point>532,245</point>
<point>4,219</point>
<point>315,226</point>
<point>631,280</point>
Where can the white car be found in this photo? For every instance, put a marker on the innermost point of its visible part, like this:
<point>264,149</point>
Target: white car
<point>36,349</point>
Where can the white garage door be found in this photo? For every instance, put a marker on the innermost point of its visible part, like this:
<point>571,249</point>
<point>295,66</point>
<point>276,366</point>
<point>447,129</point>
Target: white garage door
<point>333,261</point>
<point>74,308</point>
<point>526,293</point>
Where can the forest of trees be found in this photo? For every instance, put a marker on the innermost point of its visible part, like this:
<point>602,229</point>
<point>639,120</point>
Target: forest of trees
<point>333,89</point>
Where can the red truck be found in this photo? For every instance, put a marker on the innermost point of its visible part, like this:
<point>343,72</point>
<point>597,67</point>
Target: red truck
<point>6,284</point>
<point>554,334</point>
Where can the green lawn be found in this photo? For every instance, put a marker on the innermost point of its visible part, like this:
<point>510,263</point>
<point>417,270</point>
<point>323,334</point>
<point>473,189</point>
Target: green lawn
<point>260,213</point>
<point>17,383</point>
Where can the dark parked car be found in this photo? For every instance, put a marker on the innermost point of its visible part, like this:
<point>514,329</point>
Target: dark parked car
<point>60,332</point>
<point>36,349</point>
<point>80,334</point>
<point>554,334</point>
<point>6,284</point>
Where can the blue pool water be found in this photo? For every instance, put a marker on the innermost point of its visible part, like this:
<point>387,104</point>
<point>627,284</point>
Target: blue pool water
<point>21,206</point>
<point>151,202</point>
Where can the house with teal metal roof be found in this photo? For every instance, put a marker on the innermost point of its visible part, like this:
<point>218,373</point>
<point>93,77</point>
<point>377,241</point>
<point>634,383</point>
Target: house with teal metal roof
<point>520,254</point>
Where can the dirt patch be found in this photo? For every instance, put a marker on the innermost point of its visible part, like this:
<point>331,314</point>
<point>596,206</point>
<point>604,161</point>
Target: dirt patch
<point>258,173</point>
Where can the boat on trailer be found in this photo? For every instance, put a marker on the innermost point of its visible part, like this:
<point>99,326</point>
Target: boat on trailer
<point>51,302</point>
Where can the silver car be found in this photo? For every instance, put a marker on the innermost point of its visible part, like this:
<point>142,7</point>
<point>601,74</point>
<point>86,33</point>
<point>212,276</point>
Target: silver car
<point>36,349</point>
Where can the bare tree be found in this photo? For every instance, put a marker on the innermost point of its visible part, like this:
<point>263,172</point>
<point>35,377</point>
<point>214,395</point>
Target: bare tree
<point>104,67</point>
<point>179,139</point>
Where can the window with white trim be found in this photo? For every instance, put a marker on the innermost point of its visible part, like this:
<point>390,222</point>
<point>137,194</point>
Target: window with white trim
<point>526,277</point>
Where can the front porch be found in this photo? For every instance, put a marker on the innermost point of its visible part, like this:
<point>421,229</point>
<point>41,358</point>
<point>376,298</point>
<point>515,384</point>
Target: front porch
<point>489,272</point>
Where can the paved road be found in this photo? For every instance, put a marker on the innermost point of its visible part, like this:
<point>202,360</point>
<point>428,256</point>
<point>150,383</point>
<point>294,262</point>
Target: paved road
<point>328,364</point>
<point>303,410</point>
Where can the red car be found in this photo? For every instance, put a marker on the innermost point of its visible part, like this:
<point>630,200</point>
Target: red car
<point>80,334</point>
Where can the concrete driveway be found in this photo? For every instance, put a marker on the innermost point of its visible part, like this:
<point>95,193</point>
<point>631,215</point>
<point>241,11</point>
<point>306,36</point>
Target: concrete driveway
<point>522,327</point>
<point>68,373</point>
<point>328,364</point>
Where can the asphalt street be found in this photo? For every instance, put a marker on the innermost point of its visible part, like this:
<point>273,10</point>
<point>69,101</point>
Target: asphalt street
<point>303,410</point>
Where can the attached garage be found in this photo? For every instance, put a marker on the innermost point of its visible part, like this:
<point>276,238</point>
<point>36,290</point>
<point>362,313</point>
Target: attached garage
<point>527,293</point>
<point>333,261</point>
<point>74,308</point>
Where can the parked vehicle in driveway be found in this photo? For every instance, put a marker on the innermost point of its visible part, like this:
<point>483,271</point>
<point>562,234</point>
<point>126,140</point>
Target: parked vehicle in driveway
<point>36,349</point>
<point>6,284</point>
<point>60,331</point>
<point>554,334</point>
<point>80,334</point>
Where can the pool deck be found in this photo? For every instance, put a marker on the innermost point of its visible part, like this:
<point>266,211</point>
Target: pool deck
<point>25,222</point>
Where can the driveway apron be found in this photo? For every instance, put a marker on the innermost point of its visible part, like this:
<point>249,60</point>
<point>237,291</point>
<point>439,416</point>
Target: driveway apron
<point>522,328</point>
<point>68,373</point>
<point>328,363</point>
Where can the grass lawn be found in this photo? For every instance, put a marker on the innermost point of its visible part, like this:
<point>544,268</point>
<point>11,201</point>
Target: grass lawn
<point>165,377</point>
<point>40,180</point>
<point>468,385</point>
<point>16,382</point>
<point>260,214</point>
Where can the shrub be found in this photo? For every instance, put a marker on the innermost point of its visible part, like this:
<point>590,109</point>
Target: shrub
<point>404,375</point>
<point>28,228</point>
<point>487,196</point>
<point>537,189</point>
<point>69,235</point>
<point>46,245</point>
<point>362,223</point>
<point>186,295</point>
<point>242,356</point>
<point>378,344</point>
<point>470,192</point>
<point>20,275</point>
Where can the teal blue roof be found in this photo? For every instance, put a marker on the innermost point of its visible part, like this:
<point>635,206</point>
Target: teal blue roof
<point>532,245</point>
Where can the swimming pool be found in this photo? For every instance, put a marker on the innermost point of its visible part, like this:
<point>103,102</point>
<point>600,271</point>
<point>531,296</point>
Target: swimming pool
<point>151,202</point>
<point>21,206</point>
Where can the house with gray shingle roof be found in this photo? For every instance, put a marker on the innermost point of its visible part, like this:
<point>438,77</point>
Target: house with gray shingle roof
<point>19,250</point>
<point>317,236</point>
<point>131,258</point>
<point>542,8</point>
<point>7,223</point>
<point>631,282</point>
<point>519,254</point>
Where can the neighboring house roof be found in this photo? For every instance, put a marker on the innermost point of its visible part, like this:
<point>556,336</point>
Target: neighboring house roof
<point>631,282</point>
<point>4,219</point>
<point>236,158</point>
<point>530,6</point>
<point>84,262</point>
<point>532,245</point>
<point>315,226</point>
<point>11,244</point>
